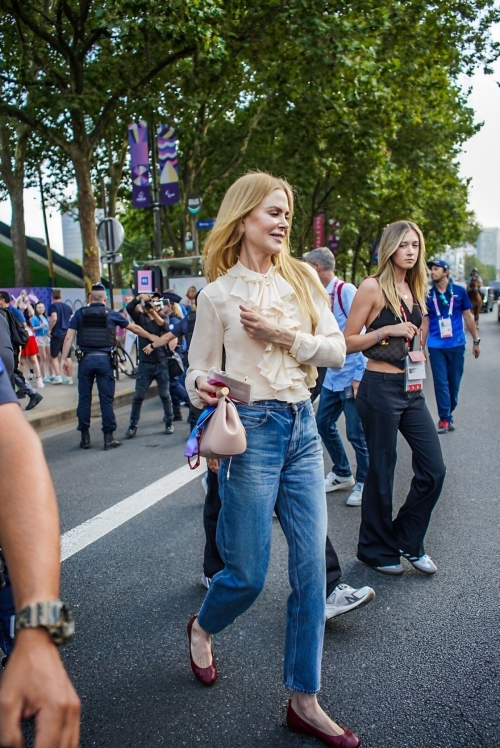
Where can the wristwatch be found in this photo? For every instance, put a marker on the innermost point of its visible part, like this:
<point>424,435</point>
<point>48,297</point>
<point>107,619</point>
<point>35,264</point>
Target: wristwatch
<point>54,616</point>
<point>476,342</point>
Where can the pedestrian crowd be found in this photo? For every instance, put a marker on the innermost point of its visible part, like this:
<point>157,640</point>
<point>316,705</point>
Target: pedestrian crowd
<point>267,319</point>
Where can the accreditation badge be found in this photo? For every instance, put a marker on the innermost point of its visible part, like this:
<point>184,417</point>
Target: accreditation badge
<point>415,371</point>
<point>445,327</point>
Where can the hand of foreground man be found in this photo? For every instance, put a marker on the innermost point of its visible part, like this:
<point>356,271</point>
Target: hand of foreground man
<point>35,684</point>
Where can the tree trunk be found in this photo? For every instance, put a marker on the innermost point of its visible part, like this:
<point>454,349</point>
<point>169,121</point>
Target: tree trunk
<point>18,235</point>
<point>86,214</point>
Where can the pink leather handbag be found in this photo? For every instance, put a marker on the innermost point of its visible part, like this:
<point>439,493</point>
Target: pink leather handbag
<point>224,435</point>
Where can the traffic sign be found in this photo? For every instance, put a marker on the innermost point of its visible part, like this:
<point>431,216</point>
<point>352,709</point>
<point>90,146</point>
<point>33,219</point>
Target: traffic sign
<point>194,204</point>
<point>205,223</point>
<point>110,235</point>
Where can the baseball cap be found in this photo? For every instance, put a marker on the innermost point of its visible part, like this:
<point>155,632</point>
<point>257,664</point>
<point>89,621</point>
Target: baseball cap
<point>171,297</point>
<point>98,287</point>
<point>439,264</point>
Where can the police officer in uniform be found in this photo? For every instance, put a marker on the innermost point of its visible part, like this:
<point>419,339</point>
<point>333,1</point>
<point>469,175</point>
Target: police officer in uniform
<point>95,328</point>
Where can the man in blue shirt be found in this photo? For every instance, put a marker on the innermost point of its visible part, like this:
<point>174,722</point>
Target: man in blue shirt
<point>448,308</point>
<point>59,314</point>
<point>95,327</point>
<point>339,389</point>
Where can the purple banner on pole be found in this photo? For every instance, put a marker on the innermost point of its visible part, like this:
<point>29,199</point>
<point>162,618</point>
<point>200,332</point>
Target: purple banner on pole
<point>167,160</point>
<point>139,164</point>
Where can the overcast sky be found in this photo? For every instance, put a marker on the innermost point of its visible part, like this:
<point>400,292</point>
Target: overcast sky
<point>480,161</point>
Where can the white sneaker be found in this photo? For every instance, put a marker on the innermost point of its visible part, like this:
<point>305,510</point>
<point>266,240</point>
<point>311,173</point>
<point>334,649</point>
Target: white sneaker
<point>67,380</point>
<point>425,564</point>
<point>205,581</point>
<point>356,495</point>
<point>345,598</point>
<point>334,482</point>
<point>57,380</point>
<point>39,383</point>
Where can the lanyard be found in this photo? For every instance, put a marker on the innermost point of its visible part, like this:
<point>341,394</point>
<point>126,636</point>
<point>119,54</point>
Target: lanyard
<point>405,318</point>
<point>436,306</point>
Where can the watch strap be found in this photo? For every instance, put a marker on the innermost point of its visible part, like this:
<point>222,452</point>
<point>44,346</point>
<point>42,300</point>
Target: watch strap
<point>52,615</point>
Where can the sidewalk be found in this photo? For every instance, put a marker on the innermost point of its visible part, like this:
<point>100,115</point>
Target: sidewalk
<point>59,401</point>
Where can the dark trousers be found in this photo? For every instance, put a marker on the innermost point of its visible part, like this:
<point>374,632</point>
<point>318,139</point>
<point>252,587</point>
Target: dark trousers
<point>178,392</point>
<point>7,610</point>
<point>146,373</point>
<point>96,368</point>
<point>447,366</point>
<point>385,408</point>
<point>212,562</point>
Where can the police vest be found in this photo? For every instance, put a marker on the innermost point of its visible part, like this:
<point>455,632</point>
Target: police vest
<point>93,330</point>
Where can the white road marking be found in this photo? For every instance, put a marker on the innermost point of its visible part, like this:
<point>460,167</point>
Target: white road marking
<point>88,532</point>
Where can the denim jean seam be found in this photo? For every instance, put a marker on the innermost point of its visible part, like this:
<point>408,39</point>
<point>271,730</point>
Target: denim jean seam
<point>293,559</point>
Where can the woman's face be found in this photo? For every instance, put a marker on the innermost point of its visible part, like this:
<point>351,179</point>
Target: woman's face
<point>40,309</point>
<point>191,292</point>
<point>265,227</point>
<point>406,254</point>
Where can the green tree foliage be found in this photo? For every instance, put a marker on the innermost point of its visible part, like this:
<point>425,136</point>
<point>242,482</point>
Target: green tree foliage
<point>357,104</point>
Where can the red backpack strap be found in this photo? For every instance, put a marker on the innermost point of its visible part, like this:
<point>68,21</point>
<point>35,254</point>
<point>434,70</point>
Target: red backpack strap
<point>339,297</point>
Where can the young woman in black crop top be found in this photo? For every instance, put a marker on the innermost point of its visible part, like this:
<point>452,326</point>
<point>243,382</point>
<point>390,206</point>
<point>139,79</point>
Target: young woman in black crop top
<point>390,304</point>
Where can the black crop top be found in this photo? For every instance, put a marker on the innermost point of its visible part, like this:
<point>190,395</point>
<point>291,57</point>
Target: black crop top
<point>387,317</point>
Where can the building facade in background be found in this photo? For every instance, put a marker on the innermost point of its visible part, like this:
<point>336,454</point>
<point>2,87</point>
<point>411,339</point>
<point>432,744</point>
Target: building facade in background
<point>488,247</point>
<point>72,236</point>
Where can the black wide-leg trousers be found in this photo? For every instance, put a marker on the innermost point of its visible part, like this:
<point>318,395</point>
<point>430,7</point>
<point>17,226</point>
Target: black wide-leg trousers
<point>386,408</point>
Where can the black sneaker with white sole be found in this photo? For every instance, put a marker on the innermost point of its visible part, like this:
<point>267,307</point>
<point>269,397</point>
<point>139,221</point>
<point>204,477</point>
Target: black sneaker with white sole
<point>345,598</point>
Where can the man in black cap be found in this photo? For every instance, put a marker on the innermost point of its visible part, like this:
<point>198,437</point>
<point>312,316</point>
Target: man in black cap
<point>153,366</point>
<point>95,327</point>
<point>448,308</point>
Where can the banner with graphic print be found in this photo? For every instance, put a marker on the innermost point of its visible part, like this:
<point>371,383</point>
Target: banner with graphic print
<point>139,164</point>
<point>319,231</point>
<point>168,164</point>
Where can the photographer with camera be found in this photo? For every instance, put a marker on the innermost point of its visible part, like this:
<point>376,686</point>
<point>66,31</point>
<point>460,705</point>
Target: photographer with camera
<point>145,310</point>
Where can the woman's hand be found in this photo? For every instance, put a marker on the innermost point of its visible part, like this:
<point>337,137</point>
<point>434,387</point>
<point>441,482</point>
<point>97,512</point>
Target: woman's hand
<point>213,464</point>
<point>206,391</point>
<point>403,330</point>
<point>256,326</point>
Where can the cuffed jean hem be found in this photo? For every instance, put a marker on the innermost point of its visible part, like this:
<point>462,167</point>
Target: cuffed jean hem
<point>300,690</point>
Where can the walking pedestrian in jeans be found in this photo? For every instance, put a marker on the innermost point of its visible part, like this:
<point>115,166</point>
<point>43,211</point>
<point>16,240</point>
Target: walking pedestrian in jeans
<point>339,390</point>
<point>448,308</point>
<point>272,316</point>
<point>390,305</point>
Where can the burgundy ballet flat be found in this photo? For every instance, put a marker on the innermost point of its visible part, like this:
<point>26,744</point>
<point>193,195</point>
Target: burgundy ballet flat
<point>206,675</point>
<point>296,724</point>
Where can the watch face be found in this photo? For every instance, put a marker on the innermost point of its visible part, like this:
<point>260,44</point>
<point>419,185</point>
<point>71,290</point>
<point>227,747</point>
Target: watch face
<point>63,632</point>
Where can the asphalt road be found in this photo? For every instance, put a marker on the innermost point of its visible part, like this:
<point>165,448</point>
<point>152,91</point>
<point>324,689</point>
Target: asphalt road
<point>417,668</point>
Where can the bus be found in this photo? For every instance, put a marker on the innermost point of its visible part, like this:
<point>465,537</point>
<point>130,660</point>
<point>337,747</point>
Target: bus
<point>175,273</point>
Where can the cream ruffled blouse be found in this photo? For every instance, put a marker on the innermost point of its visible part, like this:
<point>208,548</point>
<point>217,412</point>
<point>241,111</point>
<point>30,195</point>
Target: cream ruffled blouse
<point>276,374</point>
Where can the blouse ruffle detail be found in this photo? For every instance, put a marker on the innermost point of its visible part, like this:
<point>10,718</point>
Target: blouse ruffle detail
<point>271,296</point>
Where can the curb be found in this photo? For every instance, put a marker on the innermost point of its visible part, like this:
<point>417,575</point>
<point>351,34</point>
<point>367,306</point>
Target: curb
<point>56,416</point>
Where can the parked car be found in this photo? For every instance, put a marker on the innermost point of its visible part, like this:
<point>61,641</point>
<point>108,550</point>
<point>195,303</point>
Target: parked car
<point>488,298</point>
<point>496,289</point>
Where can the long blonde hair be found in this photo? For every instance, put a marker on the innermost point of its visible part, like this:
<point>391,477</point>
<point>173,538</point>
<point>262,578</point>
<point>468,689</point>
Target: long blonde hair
<point>222,247</point>
<point>416,277</point>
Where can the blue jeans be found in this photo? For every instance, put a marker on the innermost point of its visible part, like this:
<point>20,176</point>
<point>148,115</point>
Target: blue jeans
<point>331,405</point>
<point>96,368</point>
<point>282,464</point>
<point>146,373</point>
<point>7,610</point>
<point>447,366</point>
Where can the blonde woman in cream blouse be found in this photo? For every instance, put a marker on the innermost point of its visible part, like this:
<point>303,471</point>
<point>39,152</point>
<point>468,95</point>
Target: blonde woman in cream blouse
<point>271,315</point>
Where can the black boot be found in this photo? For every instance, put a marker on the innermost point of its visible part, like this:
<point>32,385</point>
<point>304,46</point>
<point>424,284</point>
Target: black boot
<point>131,431</point>
<point>35,398</point>
<point>85,440</point>
<point>177,413</point>
<point>110,442</point>
<point>169,429</point>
